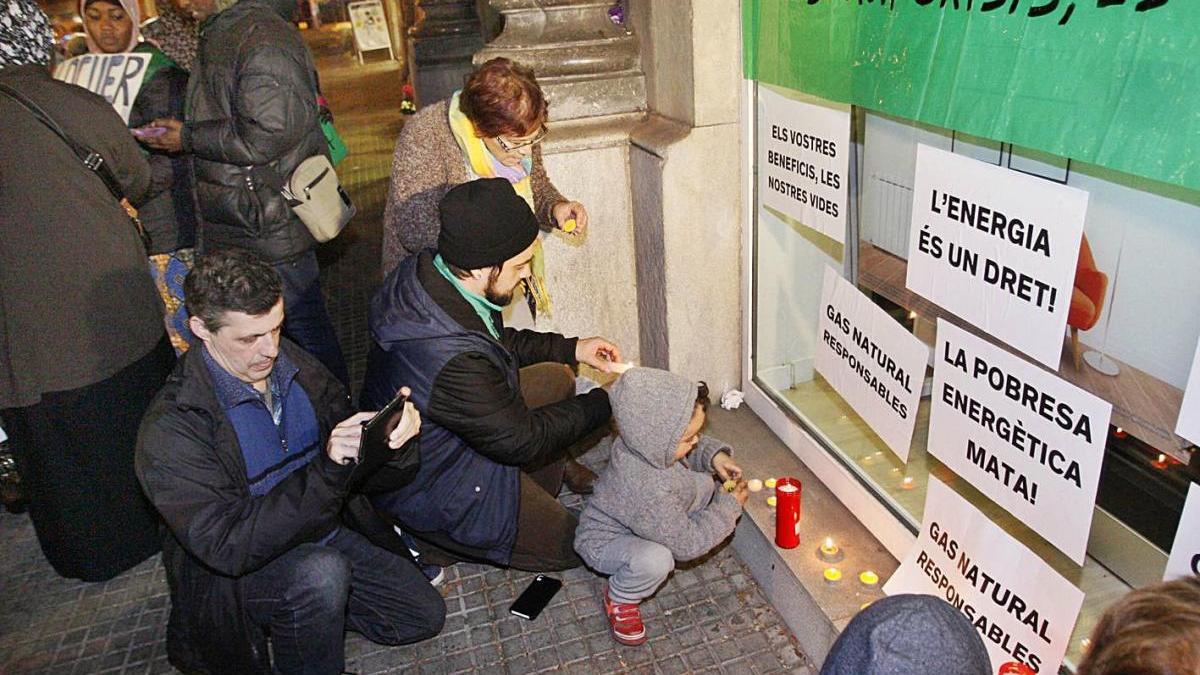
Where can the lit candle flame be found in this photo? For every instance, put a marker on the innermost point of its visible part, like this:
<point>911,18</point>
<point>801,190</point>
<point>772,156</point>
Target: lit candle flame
<point>828,542</point>
<point>1162,459</point>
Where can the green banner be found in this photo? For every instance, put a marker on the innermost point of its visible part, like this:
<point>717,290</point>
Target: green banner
<point>1108,82</point>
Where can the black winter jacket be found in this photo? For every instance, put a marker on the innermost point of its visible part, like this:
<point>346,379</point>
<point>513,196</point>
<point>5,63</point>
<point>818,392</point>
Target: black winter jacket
<point>168,212</point>
<point>251,120</point>
<point>190,465</point>
<point>476,431</point>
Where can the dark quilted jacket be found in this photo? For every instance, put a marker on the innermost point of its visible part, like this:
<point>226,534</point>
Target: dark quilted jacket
<point>251,120</point>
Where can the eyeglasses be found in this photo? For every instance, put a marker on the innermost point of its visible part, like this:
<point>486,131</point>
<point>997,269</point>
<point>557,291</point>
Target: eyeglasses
<point>509,146</point>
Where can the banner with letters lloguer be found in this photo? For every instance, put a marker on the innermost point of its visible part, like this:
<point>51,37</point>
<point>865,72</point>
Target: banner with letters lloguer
<point>997,247</point>
<point>1021,607</point>
<point>803,160</point>
<point>871,361</point>
<point>115,77</point>
<point>1030,441</point>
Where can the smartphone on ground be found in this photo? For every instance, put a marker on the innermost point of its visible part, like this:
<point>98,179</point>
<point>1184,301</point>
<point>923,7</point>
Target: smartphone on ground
<point>535,597</point>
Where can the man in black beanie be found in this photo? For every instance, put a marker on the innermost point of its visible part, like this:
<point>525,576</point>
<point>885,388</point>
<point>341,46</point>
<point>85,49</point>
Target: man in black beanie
<point>498,406</point>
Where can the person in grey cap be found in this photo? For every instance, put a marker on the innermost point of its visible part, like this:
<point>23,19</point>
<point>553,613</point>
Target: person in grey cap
<point>908,635</point>
<point>498,405</point>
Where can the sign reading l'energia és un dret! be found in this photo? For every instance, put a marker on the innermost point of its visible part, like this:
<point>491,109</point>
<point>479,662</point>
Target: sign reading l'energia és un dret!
<point>996,247</point>
<point>804,159</point>
<point>1188,423</point>
<point>1021,607</point>
<point>871,361</point>
<point>115,77</point>
<point>1030,441</point>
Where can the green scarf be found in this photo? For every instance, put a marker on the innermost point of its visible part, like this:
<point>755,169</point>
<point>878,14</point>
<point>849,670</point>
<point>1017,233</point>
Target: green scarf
<point>482,306</point>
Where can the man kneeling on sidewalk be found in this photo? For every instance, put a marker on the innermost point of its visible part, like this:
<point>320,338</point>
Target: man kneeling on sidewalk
<point>247,453</point>
<point>499,405</point>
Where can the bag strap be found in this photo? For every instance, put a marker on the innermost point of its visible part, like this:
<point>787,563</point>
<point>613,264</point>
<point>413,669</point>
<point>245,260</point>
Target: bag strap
<point>90,158</point>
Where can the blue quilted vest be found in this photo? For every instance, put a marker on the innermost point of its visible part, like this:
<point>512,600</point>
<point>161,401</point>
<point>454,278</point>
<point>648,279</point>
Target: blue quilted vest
<point>457,491</point>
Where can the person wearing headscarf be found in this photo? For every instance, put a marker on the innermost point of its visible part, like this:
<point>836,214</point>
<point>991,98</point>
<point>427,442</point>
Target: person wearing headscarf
<point>168,215</point>
<point>82,346</point>
<point>176,33</point>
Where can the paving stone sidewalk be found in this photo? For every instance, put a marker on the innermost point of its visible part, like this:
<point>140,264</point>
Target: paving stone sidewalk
<point>710,617</point>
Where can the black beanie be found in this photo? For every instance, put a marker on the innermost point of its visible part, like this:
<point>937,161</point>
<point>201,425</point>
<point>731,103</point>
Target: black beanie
<point>484,223</point>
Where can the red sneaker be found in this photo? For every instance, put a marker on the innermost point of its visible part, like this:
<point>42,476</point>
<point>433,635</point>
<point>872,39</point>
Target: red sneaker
<point>625,621</point>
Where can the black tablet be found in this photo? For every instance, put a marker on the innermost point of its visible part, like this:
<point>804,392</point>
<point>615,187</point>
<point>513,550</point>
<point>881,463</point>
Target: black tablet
<point>373,448</point>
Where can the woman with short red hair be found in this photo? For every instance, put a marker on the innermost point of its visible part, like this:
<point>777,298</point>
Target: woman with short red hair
<point>490,128</point>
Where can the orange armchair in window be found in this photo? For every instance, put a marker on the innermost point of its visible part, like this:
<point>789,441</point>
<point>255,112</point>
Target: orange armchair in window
<point>1087,298</point>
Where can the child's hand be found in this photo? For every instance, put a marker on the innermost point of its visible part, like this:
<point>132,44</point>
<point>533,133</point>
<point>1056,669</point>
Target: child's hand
<point>724,466</point>
<point>742,492</point>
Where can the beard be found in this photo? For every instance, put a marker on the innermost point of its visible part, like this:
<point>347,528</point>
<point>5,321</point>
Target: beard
<point>494,295</point>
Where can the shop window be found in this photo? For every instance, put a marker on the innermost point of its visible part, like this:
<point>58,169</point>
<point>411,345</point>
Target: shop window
<point>1131,341</point>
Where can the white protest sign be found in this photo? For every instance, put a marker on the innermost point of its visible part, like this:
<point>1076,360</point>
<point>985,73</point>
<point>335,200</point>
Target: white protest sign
<point>370,26</point>
<point>803,161</point>
<point>1021,607</point>
<point>871,361</point>
<point>996,247</point>
<point>1185,552</point>
<point>1188,424</point>
<point>1030,441</point>
<point>116,77</point>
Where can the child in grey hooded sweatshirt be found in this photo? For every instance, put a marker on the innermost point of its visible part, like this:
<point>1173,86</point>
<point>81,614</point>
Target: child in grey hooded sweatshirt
<point>655,504</point>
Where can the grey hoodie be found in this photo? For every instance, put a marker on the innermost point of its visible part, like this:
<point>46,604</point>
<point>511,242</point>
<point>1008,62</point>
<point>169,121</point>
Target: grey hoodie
<point>644,491</point>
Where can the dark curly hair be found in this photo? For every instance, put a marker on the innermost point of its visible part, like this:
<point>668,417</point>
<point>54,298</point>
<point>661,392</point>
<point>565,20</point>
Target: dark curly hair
<point>230,281</point>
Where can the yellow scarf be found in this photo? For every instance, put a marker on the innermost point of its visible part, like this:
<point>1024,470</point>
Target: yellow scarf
<point>481,164</point>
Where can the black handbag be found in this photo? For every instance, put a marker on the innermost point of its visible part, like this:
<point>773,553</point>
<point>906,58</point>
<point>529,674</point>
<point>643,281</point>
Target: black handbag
<point>90,158</point>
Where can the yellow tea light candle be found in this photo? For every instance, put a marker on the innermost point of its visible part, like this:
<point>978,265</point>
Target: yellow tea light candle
<point>771,501</point>
<point>729,485</point>
<point>869,578</point>
<point>769,483</point>
<point>832,575</point>
<point>828,551</point>
<point>570,225</point>
<point>755,485</point>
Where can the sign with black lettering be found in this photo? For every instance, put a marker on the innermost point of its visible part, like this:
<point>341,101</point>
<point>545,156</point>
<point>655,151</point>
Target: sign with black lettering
<point>871,361</point>
<point>1031,442</point>
<point>803,160</point>
<point>1021,607</point>
<point>116,77</point>
<point>997,247</point>
<point>1185,552</point>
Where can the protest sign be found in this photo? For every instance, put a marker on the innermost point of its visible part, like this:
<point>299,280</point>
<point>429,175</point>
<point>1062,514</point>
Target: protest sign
<point>996,247</point>
<point>369,24</point>
<point>1021,607</point>
<point>1030,441</point>
<point>1188,424</point>
<point>116,77</point>
<point>803,160</point>
<point>1185,552</point>
<point>871,361</point>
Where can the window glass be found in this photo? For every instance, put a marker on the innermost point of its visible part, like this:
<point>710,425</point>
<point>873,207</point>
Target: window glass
<point>1142,238</point>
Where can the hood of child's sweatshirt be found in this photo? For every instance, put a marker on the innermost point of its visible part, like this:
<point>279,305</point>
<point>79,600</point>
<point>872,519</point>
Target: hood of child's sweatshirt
<point>652,408</point>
